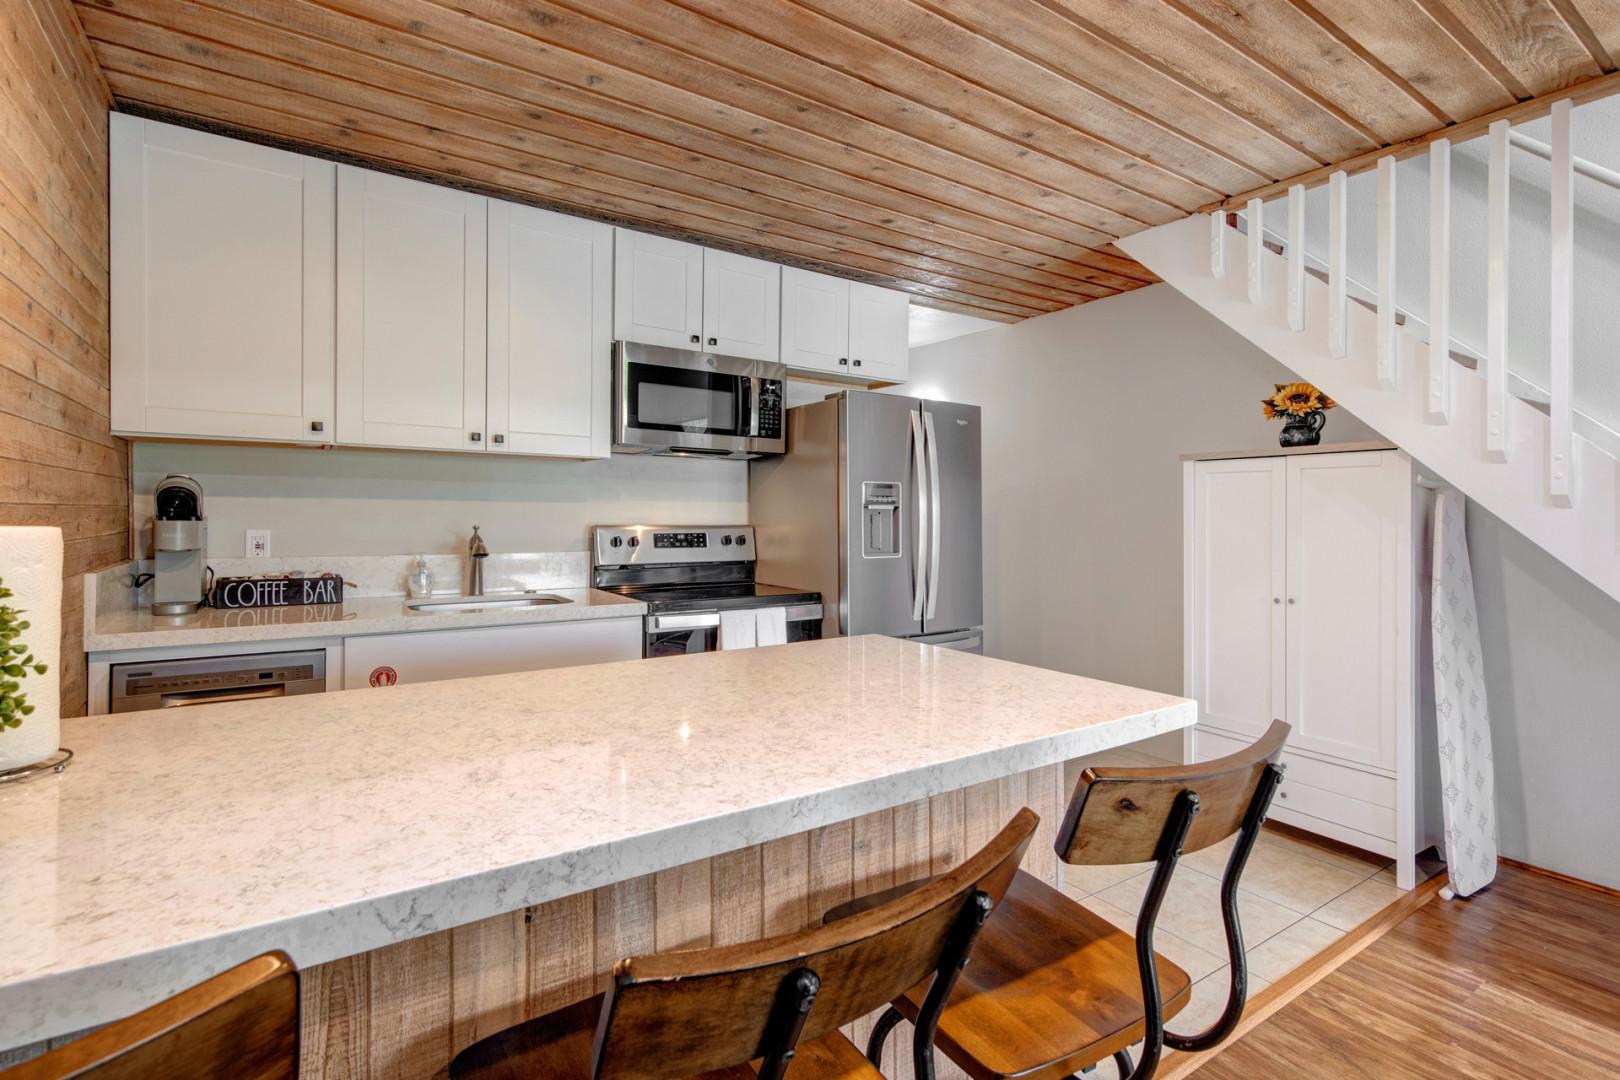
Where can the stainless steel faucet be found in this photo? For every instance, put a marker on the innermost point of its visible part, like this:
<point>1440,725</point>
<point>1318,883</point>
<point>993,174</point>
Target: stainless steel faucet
<point>476,554</point>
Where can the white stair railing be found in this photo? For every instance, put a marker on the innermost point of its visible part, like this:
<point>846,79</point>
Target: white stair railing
<point>1525,452</point>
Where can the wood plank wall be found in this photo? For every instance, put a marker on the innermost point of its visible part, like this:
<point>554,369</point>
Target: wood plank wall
<point>59,465</point>
<point>403,1011</point>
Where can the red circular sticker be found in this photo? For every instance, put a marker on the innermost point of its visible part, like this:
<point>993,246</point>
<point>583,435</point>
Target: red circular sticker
<point>384,676</point>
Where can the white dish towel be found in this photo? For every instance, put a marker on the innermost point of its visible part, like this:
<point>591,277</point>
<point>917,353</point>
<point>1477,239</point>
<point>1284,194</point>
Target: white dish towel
<point>771,626</point>
<point>1467,775</point>
<point>738,630</point>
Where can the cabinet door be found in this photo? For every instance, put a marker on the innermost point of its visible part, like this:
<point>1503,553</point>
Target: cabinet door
<point>657,290</point>
<point>222,262</point>
<point>1343,648</point>
<point>410,313</point>
<point>550,321</point>
<point>1239,573</point>
<point>742,306</point>
<point>879,333</point>
<point>815,321</point>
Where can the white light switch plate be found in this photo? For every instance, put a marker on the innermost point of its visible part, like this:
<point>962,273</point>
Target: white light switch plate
<point>258,543</point>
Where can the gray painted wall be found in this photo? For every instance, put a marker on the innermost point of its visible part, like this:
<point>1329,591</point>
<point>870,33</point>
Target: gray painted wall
<point>1086,412</point>
<point>1551,644</point>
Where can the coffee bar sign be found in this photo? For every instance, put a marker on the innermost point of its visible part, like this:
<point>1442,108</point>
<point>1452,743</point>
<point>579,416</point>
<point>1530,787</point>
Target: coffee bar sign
<point>276,592</point>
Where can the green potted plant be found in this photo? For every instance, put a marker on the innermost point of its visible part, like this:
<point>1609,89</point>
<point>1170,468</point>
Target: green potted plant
<point>16,663</point>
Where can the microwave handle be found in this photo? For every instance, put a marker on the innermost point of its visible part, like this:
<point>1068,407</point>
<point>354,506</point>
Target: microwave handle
<point>749,403</point>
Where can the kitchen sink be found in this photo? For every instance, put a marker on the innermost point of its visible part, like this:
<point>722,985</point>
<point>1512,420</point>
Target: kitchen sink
<point>482,603</point>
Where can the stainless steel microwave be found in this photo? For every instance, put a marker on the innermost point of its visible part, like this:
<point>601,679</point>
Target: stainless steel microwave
<point>695,404</point>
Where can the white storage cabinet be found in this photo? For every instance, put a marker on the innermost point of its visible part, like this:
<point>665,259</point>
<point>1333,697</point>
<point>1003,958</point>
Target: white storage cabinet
<point>1302,605</point>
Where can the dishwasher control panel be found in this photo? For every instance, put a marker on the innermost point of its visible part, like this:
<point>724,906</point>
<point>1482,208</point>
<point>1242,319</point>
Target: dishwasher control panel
<point>168,684</point>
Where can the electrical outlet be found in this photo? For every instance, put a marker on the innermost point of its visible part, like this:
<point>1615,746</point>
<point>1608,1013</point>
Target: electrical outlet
<point>258,543</point>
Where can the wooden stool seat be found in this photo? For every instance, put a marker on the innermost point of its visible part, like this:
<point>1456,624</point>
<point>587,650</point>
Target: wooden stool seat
<point>557,1046</point>
<point>1051,988</point>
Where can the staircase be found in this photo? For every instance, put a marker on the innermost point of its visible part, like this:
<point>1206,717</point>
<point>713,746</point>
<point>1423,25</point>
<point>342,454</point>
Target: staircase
<point>1523,453</point>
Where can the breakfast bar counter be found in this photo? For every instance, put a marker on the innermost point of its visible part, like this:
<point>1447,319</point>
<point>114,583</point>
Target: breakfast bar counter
<point>447,858</point>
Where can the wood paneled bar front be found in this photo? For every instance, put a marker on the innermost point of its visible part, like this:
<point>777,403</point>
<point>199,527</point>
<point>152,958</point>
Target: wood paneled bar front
<point>442,860</point>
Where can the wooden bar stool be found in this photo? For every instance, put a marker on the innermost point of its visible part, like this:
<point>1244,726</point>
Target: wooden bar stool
<point>741,1011</point>
<point>1054,989</point>
<point>240,1025</point>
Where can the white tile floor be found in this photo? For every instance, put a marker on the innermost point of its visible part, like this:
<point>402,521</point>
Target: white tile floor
<point>1295,899</point>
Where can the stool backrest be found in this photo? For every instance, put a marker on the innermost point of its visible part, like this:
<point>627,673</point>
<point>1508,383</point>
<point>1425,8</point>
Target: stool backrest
<point>240,1025</point>
<point>1119,815</point>
<point>676,1014</point>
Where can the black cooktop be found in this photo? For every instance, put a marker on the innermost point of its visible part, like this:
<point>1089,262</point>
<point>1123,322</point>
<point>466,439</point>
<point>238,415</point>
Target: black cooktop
<point>663,599</point>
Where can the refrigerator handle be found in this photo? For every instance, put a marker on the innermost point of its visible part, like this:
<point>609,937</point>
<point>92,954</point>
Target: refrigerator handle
<point>933,507</point>
<point>919,579</point>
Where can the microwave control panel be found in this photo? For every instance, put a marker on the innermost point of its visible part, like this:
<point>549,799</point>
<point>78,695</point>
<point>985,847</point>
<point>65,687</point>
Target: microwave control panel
<point>770,408</point>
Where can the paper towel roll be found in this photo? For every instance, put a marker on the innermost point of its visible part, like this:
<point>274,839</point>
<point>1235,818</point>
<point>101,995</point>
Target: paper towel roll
<point>31,567</point>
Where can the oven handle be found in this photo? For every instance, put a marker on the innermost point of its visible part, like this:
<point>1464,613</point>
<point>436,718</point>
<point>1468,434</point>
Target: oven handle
<point>697,620</point>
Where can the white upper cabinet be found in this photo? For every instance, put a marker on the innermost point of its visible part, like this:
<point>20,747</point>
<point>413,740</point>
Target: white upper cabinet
<point>742,306</point>
<point>222,265</point>
<point>550,332</point>
<point>879,332</point>
<point>844,327</point>
<point>815,321</point>
<point>410,313</point>
<point>658,290</point>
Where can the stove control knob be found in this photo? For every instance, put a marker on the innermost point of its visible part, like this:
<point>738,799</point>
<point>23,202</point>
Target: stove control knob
<point>635,541</point>
<point>726,540</point>
<point>617,541</point>
<point>742,538</point>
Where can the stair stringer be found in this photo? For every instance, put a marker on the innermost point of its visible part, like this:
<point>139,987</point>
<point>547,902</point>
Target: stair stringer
<point>1586,537</point>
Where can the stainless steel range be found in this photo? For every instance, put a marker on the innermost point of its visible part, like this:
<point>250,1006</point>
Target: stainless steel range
<point>699,588</point>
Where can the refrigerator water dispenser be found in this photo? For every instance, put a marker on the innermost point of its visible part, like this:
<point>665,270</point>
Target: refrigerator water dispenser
<point>880,519</point>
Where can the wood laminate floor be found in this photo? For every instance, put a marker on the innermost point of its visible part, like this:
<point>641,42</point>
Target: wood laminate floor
<point>1521,980</point>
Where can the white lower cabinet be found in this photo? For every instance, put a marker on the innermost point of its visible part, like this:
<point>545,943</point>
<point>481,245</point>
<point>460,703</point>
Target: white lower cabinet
<point>550,333</point>
<point>383,660</point>
<point>1302,605</point>
<point>411,274</point>
<point>222,263</point>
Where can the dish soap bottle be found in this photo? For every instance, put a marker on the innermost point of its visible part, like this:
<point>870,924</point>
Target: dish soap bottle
<point>420,583</point>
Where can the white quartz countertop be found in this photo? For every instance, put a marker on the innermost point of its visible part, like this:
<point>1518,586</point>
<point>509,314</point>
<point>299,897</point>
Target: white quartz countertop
<point>131,628</point>
<point>184,841</point>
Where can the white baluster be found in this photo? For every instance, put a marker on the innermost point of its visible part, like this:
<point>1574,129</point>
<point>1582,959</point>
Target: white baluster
<point>1257,248</point>
<point>1387,344</point>
<point>1338,225</point>
<point>1497,436</point>
<point>1439,397</point>
<point>1217,244</point>
<point>1296,257</point>
<point>1561,456</point>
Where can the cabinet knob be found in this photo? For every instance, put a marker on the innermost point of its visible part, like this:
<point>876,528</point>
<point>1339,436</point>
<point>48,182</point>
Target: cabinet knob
<point>696,339</point>
<point>317,425</point>
<point>476,436</point>
<point>857,363</point>
<point>1290,599</point>
<point>843,360</point>
<point>498,439</point>
<point>714,341</point>
<point>1282,794</point>
<point>1276,599</point>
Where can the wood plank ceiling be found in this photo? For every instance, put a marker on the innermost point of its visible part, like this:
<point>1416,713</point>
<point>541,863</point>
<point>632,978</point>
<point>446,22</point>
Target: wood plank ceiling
<point>981,154</point>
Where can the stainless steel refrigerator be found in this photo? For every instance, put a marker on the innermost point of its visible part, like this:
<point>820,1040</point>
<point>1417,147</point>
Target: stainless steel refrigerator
<point>877,504</point>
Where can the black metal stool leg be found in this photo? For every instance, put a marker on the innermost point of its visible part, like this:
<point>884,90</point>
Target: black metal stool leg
<point>1122,1062</point>
<point>880,1034</point>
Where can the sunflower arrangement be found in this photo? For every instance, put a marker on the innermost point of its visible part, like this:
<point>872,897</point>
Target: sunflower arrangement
<point>1295,399</point>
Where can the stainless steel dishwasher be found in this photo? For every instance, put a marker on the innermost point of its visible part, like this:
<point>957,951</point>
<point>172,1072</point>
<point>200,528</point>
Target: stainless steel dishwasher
<point>172,684</point>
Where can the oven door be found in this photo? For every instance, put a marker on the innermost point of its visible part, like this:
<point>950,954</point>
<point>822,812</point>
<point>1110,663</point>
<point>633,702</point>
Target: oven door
<point>670,401</point>
<point>677,635</point>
